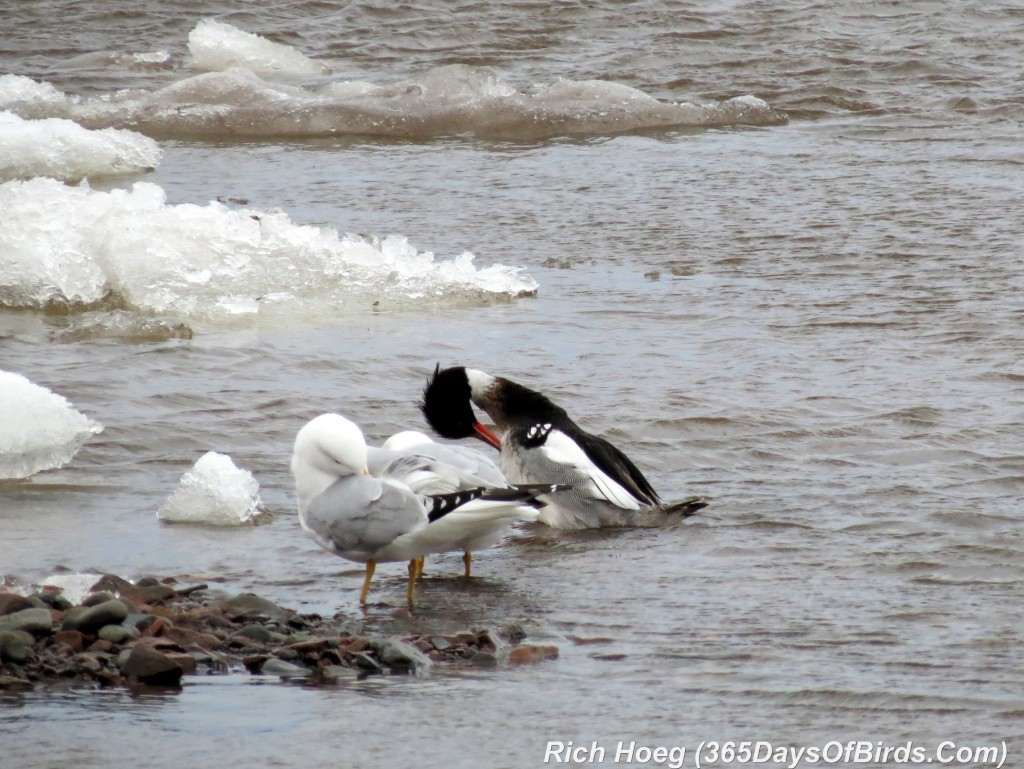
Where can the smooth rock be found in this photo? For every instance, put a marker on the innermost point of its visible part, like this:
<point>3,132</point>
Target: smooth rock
<point>11,684</point>
<point>398,654</point>
<point>514,633</point>
<point>483,660</point>
<point>72,638</point>
<point>253,632</point>
<point>116,634</point>
<point>440,643</point>
<point>15,646</point>
<point>529,654</point>
<point>35,621</point>
<point>247,603</point>
<point>54,600</point>
<point>112,612</point>
<point>187,661</point>
<point>277,667</point>
<point>147,665</point>
<point>12,602</point>
<point>98,597</point>
<point>149,594</point>
<point>111,583</point>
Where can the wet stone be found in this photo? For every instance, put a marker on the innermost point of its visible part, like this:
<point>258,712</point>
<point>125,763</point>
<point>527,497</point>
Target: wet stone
<point>95,599</point>
<point>152,594</point>
<point>398,654</point>
<point>74,639</point>
<point>115,634</point>
<point>54,600</point>
<point>36,621</point>
<point>247,603</point>
<point>251,632</point>
<point>440,643</point>
<point>529,654</point>
<point>15,646</point>
<point>149,666</point>
<point>11,602</point>
<point>484,660</point>
<point>112,612</point>
<point>277,667</point>
<point>12,684</point>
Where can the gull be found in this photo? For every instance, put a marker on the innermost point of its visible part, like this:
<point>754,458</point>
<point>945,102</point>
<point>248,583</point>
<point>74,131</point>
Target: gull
<point>381,519</point>
<point>428,467</point>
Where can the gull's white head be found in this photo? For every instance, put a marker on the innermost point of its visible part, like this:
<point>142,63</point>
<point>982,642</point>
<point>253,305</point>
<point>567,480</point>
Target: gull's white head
<point>327,448</point>
<point>406,439</point>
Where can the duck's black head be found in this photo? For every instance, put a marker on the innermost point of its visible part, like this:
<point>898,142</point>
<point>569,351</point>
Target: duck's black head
<point>447,408</point>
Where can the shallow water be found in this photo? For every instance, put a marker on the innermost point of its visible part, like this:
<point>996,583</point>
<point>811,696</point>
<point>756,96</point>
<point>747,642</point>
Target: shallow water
<point>816,324</point>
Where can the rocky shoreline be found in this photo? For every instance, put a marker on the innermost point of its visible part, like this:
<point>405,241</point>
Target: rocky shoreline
<point>154,632</point>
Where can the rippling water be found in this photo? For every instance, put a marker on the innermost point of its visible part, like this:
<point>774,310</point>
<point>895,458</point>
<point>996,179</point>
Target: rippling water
<point>816,324</point>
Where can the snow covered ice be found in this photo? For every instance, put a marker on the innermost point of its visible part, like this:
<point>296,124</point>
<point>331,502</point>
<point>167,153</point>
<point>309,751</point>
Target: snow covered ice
<point>42,431</point>
<point>215,45</point>
<point>65,150</point>
<point>214,491</point>
<point>79,248</point>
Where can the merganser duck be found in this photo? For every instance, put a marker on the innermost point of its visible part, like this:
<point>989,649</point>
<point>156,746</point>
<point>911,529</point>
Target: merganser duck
<point>541,443</point>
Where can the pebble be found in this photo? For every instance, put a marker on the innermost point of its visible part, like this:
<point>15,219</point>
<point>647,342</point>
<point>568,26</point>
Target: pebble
<point>111,642</point>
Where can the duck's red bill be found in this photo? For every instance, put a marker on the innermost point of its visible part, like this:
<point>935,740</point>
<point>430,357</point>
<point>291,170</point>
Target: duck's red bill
<point>486,435</point>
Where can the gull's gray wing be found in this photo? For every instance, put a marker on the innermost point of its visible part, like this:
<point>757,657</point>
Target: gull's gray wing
<point>360,515</point>
<point>467,460</point>
<point>427,475</point>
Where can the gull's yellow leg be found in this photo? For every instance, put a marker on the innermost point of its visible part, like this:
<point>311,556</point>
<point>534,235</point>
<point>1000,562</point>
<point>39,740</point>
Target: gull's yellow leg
<point>419,565</point>
<point>413,571</point>
<point>371,566</point>
<point>467,558</point>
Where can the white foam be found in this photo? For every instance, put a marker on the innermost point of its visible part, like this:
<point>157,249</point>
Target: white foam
<point>65,150</point>
<point>76,247</point>
<point>74,586</point>
<point>214,491</point>
<point>217,46</point>
<point>41,430</point>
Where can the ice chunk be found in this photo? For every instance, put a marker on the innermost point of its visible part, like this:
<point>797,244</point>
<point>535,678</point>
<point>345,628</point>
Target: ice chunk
<point>214,491</point>
<point>41,430</point>
<point>75,247</point>
<point>216,46</point>
<point>65,150</point>
<point>31,96</point>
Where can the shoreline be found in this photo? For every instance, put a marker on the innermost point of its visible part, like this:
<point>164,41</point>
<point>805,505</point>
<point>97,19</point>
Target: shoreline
<point>155,631</point>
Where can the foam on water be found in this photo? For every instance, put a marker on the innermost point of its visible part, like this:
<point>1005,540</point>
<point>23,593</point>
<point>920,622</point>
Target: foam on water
<point>75,248</point>
<point>65,150</point>
<point>41,430</point>
<point>214,491</point>
<point>215,45</point>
